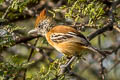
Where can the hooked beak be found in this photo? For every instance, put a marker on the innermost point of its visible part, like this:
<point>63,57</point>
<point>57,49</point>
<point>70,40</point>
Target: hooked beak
<point>34,31</point>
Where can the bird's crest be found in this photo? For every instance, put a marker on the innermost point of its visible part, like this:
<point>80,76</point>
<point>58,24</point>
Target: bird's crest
<point>41,17</point>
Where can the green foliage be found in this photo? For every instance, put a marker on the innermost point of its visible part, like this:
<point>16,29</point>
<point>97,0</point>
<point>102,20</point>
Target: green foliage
<point>81,8</point>
<point>21,5</point>
<point>52,72</point>
<point>17,8</point>
<point>12,67</point>
<point>7,35</point>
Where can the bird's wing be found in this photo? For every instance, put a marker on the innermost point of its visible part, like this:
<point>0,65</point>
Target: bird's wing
<point>69,37</point>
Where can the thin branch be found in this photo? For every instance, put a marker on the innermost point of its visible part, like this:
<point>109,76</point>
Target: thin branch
<point>102,71</point>
<point>116,28</point>
<point>45,55</point>
<point>4,15</point>
<point>40,50</point>
<point>107,27</point>
<point>101,61</point>
<point>99,42</point>
<point>117,63</point>
<point>116,49</point>
<point>31,52</point>
<point>23,40</point>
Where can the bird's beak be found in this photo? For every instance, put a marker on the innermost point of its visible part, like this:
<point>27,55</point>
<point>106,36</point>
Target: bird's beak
<point>34,31</point>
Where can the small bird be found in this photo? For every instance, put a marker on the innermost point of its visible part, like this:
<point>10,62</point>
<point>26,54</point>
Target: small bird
<point>65,39</point>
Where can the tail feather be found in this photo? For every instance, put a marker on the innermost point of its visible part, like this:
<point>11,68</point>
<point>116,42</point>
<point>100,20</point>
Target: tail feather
<point>102,52</point>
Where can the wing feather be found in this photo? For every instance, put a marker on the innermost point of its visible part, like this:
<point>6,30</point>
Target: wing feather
<point>69,37</point>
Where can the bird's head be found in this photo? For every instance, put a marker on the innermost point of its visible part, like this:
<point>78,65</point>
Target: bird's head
<point>43,24</point>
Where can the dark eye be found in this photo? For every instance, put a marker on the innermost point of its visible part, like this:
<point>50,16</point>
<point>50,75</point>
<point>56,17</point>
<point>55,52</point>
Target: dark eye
<point>39,25</point>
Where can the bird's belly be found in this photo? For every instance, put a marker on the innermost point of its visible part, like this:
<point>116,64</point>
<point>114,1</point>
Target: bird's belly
<point>71,49</point>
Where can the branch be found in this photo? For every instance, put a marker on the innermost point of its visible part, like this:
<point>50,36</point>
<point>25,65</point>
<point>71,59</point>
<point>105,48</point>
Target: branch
<point>30,55</point>
<point>40,50</point>
<point>4,15</point>
<point>116,28</point>
<point>108,26</point>
<point>102,71</point>
<point>23,40</point>
<point>115,65</point>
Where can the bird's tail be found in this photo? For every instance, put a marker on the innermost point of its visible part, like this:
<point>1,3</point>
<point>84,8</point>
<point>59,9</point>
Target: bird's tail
<point>102,52</point>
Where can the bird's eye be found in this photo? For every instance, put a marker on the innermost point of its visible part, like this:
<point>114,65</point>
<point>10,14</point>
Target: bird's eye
<point>39,26</point>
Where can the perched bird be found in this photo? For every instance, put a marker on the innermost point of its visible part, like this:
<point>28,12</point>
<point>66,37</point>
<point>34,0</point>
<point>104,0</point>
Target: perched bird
<point>65,39</point>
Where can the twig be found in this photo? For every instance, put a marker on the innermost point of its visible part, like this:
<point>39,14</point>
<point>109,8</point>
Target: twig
<point>99,42</point>
<point>116,49</point>
<point>59,3</point>
<point>102,71</point>
<point>45,55</point>
<point>40,50</point>
<point>116,28</point>
<point>118,61</point>
<point>79,26</point>
<point>101,61</point>
<point>31,52</point>
<point>107,27</point>
<point>4,15</point>
<point>23,40</point>
<point>114,66</point>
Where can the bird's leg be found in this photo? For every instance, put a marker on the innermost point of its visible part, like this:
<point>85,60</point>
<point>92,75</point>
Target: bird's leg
<point>67,65</point>
<point>69,62</point>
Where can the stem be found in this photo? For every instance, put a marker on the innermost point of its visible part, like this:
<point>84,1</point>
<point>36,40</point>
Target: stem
<point>31,52</point>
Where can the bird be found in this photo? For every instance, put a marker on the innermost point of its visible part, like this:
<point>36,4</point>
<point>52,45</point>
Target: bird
<point>63,38</point>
